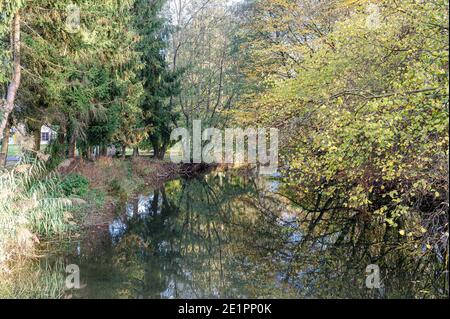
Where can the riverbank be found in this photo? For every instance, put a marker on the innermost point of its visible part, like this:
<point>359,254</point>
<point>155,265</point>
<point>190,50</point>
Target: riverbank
<point>39,206</point>
<point>113,181</point>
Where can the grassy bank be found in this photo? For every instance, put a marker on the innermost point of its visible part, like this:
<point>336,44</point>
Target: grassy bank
<point>33,206</point>
<point>37,205</point>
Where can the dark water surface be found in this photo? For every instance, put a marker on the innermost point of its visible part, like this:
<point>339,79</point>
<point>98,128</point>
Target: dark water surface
<point>228,236</point>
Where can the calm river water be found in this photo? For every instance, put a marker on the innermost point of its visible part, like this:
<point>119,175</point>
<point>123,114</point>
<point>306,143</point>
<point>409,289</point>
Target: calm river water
<point>223,235</point>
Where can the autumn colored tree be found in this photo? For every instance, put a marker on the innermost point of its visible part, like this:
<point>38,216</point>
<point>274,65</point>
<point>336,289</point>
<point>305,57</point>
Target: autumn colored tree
<point>362,105</point>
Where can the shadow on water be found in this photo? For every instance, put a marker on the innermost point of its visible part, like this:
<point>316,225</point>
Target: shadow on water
<point>222,235</point>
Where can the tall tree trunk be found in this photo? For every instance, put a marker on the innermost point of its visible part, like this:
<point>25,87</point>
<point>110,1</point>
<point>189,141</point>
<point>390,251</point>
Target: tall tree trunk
<point>5,145</point>
<point>72,147</point>
<point>156,147</point>
<point>7,105</point>
<point>135,151</point>
<point>159,150</point>
<point>124,150</point>
<point>85,153</point>
<point>89,153</point>
<point>37,140</point>
<point>162,152</point>
<point>104,150</point>
<point>61,137</point>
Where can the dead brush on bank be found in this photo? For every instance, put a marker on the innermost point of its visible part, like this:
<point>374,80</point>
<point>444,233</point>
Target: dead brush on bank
<point>154,171</point>
<point>103,171</point>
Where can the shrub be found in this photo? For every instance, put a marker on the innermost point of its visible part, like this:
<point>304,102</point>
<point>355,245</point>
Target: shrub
<point>75,184</point>
<point>56,152</point>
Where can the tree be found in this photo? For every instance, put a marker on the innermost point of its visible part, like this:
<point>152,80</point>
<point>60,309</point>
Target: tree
<point>364,110</point>
<point>160,83</point>
<point>10,24</point>
<point>211,80</point>
<point>83,80</point>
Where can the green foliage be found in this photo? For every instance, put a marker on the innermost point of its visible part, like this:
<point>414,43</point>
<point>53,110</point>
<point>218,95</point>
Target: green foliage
<point>159,82</point>
<point>106,84</point>
<point>84,82</point>
<point>74,184</point>
<point>7,10</point>
<point>56,152</point>
<point>96,197</point>
<point>362,106</point>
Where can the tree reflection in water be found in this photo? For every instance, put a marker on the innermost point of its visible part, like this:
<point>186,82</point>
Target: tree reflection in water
<point>223,235</point>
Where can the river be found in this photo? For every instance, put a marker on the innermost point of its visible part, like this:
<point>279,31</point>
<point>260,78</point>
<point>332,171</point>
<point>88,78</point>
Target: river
<point>225,235</point>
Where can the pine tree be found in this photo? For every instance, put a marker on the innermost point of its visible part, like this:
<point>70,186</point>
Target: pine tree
<point>159,82</point>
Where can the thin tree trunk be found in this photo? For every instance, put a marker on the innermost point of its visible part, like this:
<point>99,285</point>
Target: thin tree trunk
<point>89,153</point>
<point>135,151</point>
<point>162,153</point>
<point>7,105</point>
<point>72,147</point>
<point>156,147</point>
<point>84,153</point>
<point>5,145</point>
<point>37,140</point>
<point>124,150</point>
<point>159,150</point>
<point>61,136</point>
<point>104,150</point>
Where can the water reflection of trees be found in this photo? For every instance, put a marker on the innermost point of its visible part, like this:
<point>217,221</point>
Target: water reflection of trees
<point>233,236</point>
<point>331,246</point>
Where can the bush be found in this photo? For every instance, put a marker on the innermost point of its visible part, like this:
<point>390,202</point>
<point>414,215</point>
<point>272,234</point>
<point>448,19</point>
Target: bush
<point>75,184</point>
<point>57,153</point>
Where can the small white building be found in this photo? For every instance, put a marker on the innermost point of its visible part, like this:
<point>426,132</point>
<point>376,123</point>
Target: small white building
<point>47,135</point>
<point>19,136</point>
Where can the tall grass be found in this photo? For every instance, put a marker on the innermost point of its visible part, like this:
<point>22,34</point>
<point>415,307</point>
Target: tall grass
<point>31,207</point>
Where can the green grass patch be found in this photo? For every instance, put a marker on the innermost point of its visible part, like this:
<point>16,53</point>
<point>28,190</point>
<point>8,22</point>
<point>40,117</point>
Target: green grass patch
<point>14,150</point>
